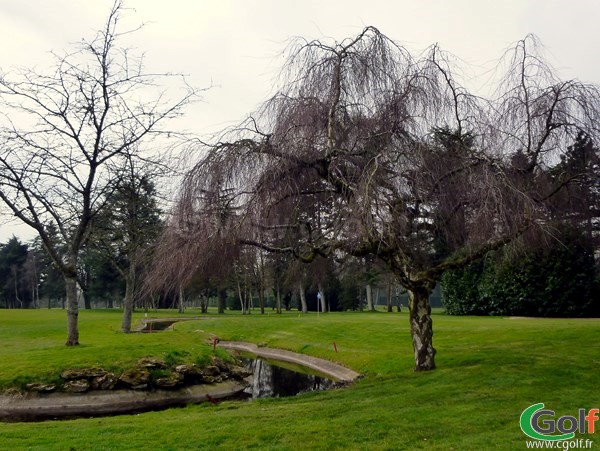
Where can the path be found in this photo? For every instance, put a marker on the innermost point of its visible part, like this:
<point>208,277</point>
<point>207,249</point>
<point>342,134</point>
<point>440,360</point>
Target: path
<point>334,370</point>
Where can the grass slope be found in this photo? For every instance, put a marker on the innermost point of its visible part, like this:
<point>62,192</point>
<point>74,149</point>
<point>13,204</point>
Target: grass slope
<point>489,370</point>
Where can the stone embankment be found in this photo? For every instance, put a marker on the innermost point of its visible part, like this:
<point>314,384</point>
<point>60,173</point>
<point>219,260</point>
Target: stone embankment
<point>149,385</point>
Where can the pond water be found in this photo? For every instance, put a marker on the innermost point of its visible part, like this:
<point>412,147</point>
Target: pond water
<point>277,379</point>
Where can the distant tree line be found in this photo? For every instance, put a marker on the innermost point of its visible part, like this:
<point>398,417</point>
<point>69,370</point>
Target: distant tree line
<point>555,275</point>
<point>29,279</point>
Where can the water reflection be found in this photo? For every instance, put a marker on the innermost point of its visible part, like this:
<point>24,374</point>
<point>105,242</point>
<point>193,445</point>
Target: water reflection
<point>272,381</point>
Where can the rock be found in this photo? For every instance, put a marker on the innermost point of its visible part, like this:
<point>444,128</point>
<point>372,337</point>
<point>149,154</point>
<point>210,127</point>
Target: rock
<point>220,363</point>
<point>82,373</point>
<point>107,381</point>
<point>212,379</point>
<point>13,392</point>
<point>151,362</point>
<point>223,367</point>
<point>188,369</point>
<point>239,373</point>
<point>77,386</point>
<point>192,374</point>
<point>169,381</point>
<point>211,371</point>
<point>139,387</point>
<point>41,388</point>
<point>134,377</point>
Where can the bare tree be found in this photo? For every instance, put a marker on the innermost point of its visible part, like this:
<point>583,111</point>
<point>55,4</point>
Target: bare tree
<point>367,150</point>
<point>66,134</point>
<point>126,229</point>
<point>175,263</point>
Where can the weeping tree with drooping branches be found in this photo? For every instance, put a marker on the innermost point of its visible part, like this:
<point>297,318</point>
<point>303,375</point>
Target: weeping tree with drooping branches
<point>368,150</point>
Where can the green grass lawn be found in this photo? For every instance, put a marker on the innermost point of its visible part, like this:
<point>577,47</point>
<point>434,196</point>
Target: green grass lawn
<point>489,371</point>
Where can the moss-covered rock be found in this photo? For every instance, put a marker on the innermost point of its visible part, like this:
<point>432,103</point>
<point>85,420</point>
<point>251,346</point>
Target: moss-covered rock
<point>152,363</point>
<point>77,386</point>
<point>171,380</point>
<point>107,381</point>
<point>41,388</point>
<point>136,377</point>
<point>82,373</point>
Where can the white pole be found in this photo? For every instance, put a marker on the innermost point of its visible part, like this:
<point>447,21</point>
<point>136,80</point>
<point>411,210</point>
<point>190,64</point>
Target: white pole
<point>318,302</point>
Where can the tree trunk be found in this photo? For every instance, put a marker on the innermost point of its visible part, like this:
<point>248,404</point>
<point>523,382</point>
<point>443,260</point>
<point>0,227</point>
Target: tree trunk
<point>370,306</point>
<point>322,297</point>
<point>222,301</point>
<point>261,301</point>
<point>278,301</point>
<point>205,300</point>
<point>87,302</point>
<point>241,297</point>
<point>389,298</point>
<point>72,311</point>
<point>302,298</point>
<point>16,279</point>
<point>37,295</point>
<point>128,301</point>
<point>181,301</point>
<point>421,328</point>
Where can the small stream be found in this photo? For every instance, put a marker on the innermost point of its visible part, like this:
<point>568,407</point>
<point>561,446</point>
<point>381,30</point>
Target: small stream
<point>277,379</point>
<point>268,380</point>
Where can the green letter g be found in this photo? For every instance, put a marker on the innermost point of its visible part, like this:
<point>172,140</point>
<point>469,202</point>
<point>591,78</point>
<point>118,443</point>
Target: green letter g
<point>532,430</point>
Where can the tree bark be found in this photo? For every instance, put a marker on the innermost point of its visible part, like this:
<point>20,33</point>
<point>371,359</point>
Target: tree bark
<point>181,301</point>
<point>72,311</point>
<point>370,306</point>
<point>302,298</point>
<point>261,301</point>
<point>222,301</point>
<point>323,302</point>
<point>16,279</point>
<point>241,297</point>
<point>389,298</point>
<point>421,328</point>
<point>278,301</point>
<point>128,301</point>
<point>87,302</point>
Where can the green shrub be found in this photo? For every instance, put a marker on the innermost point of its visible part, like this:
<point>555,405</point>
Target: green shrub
<point>549,281</point>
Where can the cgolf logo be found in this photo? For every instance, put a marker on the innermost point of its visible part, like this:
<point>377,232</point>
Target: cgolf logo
<point>539,423</point>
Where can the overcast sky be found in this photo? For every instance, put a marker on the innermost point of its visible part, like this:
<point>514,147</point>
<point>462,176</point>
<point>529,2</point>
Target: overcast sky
<point>237,45</point>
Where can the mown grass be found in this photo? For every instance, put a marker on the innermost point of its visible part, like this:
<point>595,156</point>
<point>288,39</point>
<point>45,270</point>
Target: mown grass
<point>489,370</point>
<point>34,351</point>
